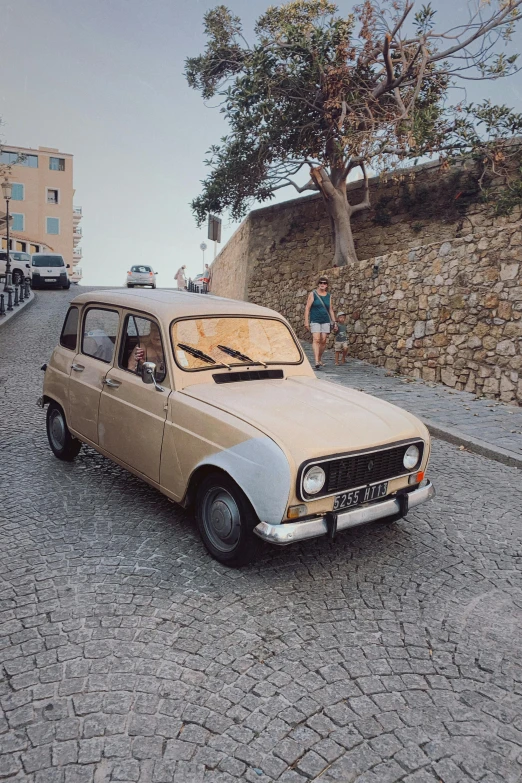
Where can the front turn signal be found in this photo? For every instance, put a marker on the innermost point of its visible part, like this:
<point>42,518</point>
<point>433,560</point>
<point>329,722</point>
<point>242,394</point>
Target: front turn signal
<point>294,512</point>
<point>416,478</point>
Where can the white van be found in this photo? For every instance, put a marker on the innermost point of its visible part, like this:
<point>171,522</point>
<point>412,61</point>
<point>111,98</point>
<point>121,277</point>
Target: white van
<point>20,265</point>
<point>49,269</point>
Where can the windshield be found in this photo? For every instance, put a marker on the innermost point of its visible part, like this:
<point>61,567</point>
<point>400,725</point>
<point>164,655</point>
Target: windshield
<point>48,261</point>
<point>15,255</point>
<point>143,269</point>
<point>231,341</point>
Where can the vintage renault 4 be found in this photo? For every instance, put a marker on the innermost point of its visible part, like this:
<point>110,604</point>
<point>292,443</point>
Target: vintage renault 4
<point>213,402</point>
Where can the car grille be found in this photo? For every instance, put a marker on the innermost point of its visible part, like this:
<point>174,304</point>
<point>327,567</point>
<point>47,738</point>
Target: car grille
<point>362,469</point>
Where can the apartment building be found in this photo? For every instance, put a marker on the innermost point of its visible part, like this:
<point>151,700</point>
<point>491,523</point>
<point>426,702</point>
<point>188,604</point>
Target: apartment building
<point>44,217</point>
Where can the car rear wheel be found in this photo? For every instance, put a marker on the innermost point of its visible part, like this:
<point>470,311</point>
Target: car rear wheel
<point>62,443</point>
<point>226,521</point>
<point>130,285</point>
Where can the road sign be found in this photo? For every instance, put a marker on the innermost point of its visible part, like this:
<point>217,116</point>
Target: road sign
<point>214,228</point>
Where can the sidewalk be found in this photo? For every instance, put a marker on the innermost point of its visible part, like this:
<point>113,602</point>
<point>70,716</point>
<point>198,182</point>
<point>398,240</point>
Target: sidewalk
<point>7,317</point>
<point>488,427</point>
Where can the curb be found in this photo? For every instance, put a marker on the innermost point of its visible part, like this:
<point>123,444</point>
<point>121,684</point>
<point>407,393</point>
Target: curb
<point>20,310</point>
<point>475,445</point>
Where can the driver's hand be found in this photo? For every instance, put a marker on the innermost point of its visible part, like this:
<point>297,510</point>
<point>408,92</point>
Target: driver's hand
<point>139,353</point>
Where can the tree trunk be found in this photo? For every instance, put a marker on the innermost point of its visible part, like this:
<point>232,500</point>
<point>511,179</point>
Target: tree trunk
<point>340,213</point>
<point>333,190</point>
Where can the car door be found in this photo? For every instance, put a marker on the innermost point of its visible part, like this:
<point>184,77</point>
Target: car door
<point>99,334</point>
<point>132,413</point>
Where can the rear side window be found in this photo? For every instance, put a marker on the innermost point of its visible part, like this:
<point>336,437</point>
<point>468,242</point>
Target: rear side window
<point>100,330</point>
<point>69,335</point>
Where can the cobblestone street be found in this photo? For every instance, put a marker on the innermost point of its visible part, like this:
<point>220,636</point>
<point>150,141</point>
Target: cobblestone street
<point>127,654</point>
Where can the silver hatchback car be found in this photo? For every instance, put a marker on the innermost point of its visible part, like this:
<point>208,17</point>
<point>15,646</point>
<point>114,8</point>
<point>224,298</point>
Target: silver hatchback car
<point>141,274</point>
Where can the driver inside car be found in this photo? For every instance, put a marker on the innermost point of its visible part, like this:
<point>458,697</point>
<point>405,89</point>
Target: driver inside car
<point>148,349</point>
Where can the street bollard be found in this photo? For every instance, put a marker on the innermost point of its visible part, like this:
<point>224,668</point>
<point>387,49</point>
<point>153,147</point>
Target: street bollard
<point>2,305</point>
<point>9,301</point>
<point>21,292</point>
<point>16,302</point>
<point>27,289</point>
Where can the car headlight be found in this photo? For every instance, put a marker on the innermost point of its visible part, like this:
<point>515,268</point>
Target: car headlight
<point>313,480</point>
<point>411,457</point>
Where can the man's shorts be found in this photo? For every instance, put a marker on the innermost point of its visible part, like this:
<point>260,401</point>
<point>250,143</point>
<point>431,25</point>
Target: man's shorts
<point>319,328</point>
<point>341,346</point>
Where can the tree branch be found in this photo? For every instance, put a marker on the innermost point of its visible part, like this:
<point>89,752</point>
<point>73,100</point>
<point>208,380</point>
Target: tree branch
<point>365,203</point>
<point>310,185</point>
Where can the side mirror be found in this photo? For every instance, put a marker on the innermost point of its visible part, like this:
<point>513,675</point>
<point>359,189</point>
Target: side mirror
<point>149,372</point>
<point>149,375</point>
<point>68,266</point>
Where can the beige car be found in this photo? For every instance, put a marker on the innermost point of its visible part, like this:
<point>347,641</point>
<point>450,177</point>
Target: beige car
<point>213,402</point>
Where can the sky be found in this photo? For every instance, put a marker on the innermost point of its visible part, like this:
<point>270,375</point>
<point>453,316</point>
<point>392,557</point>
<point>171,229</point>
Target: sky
<point>104,80</point>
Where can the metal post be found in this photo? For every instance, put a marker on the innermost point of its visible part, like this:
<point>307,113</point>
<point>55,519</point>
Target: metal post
<point>16,301</point>
<point>2,305</point>
<point>9,300</point>
<point>7,286</point>
<point>27,289</point>
<point>21,290</point>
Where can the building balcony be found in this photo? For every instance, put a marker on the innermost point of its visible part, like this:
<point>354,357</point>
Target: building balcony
<point>77,254</point>
<point>76,275</point>
<point>77,214</point>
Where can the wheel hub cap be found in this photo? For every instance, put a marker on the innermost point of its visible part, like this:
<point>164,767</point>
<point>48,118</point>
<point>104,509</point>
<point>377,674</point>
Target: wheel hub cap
<point>57,430</point>
<point>222,519</point>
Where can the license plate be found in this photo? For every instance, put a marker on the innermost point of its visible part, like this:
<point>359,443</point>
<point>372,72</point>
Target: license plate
<point>50,279</point>
<point>362,495</point>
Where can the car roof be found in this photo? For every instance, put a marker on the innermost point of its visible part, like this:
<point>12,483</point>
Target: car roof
<point>167,305</point>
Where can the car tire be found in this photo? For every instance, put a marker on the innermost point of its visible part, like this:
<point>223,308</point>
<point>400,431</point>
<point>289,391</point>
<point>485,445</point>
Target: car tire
<point>153,286</point>
<point>226,521</point>
<point>130,285</point>
<point>66,287</point>
<point>18,277</point>
<point>62,443</point>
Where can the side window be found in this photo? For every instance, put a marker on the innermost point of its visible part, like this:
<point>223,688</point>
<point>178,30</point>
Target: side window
<point>142,343</point>
<point>68,337</point>
<point>100,329</point>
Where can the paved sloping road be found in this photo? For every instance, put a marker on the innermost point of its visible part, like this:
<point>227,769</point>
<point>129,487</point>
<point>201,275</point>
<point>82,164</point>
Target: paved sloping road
<point>127,654</point>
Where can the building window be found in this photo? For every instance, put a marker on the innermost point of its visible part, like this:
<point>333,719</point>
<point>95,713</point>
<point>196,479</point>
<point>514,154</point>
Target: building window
<point>57,164</point>
<point>19,159</point>
<point>52,196</point>
<point>53,225</point>
<point>17,192</point>
<point>18,222</point>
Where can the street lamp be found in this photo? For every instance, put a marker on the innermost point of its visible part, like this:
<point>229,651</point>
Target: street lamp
<point>203,247</point>
<point>7,189</point>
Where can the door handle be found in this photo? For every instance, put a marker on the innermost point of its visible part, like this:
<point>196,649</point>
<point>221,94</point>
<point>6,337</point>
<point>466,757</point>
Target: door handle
<point>77,367</point>
<point>111,383</point>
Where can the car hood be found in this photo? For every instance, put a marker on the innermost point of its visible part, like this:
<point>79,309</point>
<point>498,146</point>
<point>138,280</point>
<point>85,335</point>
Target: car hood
<point>310,418</point>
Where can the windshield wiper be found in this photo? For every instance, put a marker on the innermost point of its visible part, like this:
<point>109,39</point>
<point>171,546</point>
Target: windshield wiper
<point>200,355</point>
<point>239,355</point>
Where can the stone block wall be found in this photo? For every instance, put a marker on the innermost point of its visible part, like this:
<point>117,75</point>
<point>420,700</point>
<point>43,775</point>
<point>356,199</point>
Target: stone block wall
<point>421,207</point>
<point>450,311</point>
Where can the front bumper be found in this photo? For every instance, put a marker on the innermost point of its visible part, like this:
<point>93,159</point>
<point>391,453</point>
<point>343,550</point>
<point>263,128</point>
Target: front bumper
<point>290,532</point>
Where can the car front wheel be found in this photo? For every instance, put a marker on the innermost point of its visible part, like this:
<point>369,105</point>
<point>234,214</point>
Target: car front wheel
<point>62,443</point>
<point>18,277</point>
<point>226,521</point>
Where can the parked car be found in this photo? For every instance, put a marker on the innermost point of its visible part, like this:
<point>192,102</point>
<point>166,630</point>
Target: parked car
<point>49,269</point>
<point>20,264</point>
<point>213,402</point>
<point>141,274</point>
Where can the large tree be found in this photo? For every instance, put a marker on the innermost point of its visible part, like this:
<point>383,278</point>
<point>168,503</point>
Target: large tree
<point>332,94</point>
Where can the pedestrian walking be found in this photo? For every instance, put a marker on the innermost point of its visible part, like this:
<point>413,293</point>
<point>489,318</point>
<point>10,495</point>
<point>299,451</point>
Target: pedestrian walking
<point>341,339</point>
<point>180,278</point>
<point>319,318</point>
